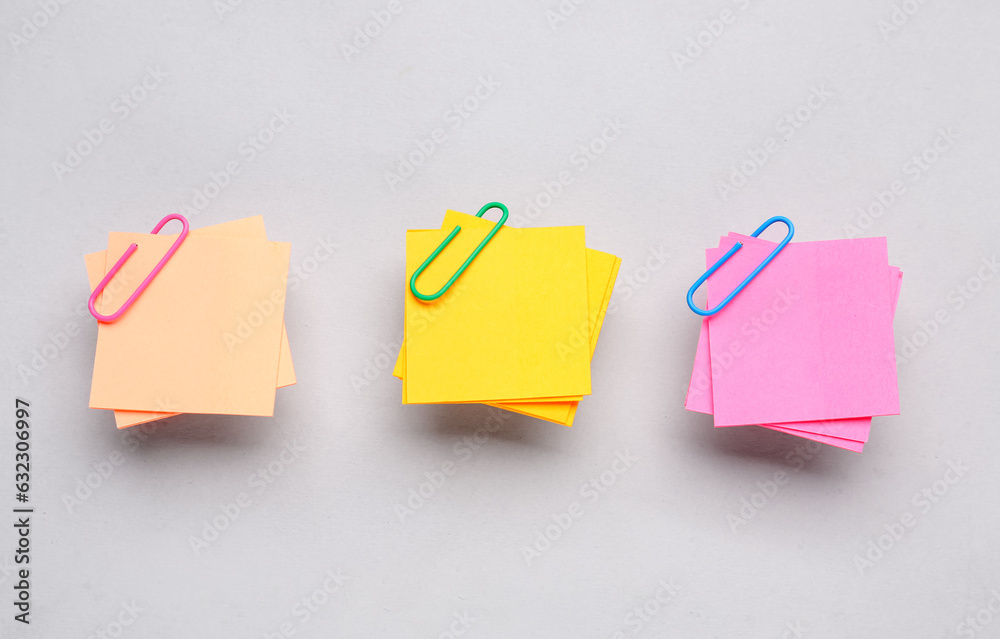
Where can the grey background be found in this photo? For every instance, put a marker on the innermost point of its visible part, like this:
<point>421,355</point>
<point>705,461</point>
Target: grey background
<point>790,569</point>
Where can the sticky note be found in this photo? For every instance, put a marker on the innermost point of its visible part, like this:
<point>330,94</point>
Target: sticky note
<point>844,431</point>
<point>496,336</point>
<point>543,370</point>
<point>813,333</point>
<point>251,227</point>
<point>205,337</point>
<point>602,271</point>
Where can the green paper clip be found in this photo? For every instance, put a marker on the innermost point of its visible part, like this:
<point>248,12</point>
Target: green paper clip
<point>465,265</point>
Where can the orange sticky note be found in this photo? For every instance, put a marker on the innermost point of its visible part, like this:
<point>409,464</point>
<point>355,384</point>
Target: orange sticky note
<point>205,336</point>
<point>251,227</point>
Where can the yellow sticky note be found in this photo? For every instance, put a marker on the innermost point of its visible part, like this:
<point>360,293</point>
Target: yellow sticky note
<point>497,337</point>
<point>204,337</point>
<point>251,227</point>
<point>602,271</point>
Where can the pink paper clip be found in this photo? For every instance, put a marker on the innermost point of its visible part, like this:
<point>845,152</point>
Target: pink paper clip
<point>149,278</point>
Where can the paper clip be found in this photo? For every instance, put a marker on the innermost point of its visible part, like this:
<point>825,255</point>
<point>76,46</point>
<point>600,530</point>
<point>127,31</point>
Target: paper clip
<point>465,265</point>
<point>756,271</point>
<point>149,278</point>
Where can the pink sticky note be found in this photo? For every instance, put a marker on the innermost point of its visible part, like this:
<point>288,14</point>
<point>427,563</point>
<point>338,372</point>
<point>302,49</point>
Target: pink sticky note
<point>850,434</point>
<point>839,442</point>
<point>845,433</point>
<point>810,339</point>
<point>837,430</point>
<point>857,429</point>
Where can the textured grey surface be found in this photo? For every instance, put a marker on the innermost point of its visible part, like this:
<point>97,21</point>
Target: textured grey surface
<point>353,454</point>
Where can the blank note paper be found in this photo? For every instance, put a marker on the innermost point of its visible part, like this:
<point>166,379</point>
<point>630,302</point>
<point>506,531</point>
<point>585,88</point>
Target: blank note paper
<point>807,348</point>
<point>518,328</point>
<point>206,336</point>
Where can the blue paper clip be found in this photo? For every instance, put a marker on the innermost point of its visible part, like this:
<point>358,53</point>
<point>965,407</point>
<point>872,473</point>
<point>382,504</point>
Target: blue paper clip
<point>756,271</point>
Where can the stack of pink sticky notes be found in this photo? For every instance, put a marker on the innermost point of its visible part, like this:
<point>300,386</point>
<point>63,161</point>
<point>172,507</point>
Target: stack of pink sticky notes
<point>807,348</point>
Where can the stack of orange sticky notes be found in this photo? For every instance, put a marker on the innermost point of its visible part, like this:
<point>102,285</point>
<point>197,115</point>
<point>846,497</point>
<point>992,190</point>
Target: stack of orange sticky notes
<point>517,329</point>
<point>206,336</point>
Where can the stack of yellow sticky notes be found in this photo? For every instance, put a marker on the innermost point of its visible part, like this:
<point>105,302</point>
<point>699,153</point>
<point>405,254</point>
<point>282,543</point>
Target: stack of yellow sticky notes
<point>206,336</point>
<point>518,327</point>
